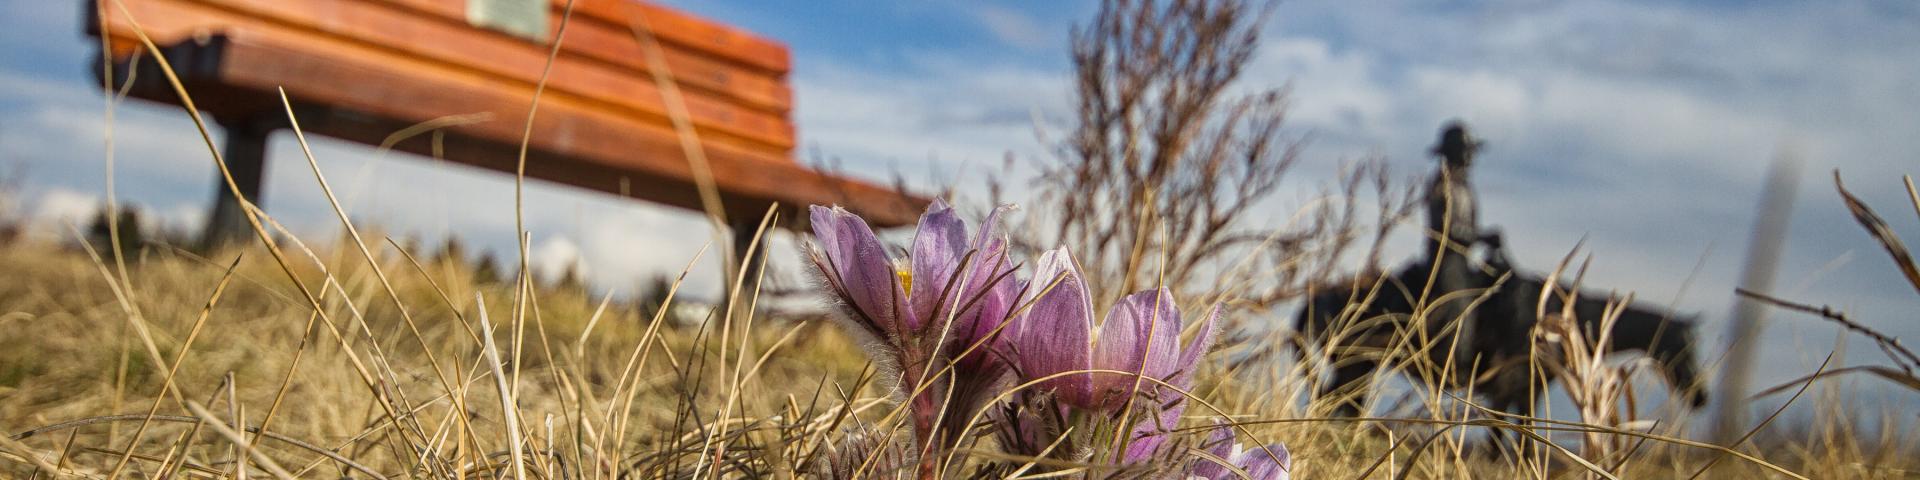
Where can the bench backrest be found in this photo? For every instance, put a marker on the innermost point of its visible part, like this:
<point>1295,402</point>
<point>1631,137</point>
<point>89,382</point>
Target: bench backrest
<point>364,69</point>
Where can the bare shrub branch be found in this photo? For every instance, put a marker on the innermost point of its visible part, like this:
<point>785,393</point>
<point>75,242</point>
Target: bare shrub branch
<point>1163,177</point>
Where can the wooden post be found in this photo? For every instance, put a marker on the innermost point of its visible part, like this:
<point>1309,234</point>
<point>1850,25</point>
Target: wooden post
<point>1749,315</point>
<point>245,153</point>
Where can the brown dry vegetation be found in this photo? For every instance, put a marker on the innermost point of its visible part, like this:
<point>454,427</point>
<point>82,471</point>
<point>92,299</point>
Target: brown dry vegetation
<point>70,352</point>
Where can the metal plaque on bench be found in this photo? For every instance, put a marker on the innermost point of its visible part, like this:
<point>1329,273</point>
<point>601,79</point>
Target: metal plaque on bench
<point>523,18</point>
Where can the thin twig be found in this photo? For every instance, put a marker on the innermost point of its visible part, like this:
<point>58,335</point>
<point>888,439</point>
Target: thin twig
<point>1899,352</point>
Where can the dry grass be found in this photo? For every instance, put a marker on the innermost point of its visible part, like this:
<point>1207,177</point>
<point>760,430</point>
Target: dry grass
<point>70,351</point>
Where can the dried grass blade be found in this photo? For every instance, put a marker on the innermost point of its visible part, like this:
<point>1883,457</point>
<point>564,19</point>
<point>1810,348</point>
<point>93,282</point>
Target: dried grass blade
<point>1881,231</point>
<point>509,413</point>
<point>234,436</point>
<point>1889,373</point>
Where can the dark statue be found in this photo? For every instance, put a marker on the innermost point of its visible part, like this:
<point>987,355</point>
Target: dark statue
<point>1352,322</point>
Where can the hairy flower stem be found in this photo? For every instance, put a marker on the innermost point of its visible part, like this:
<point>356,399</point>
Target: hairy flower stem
<point>924,408</point>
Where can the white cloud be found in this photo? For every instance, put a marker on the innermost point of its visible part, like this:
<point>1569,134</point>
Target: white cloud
<point>59,207</point>
<point>1014,28</point>
<point>627,245</point>
<point>184,217</point>
<point>52,210</point>
<point>941,117</point>
<point>1498,102</point>
<point>551,258</point>
<point>1332,91</point>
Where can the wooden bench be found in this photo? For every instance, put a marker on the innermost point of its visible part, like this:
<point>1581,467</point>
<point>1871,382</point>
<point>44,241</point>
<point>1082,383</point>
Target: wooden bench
<point>362,70</point>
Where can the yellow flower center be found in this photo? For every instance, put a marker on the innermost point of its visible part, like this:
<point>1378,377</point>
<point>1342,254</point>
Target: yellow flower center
<point>906,279</point>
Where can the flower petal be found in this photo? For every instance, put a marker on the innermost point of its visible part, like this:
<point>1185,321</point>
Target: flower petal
<point>1255,462</point>
<point>1141,335</point>
<point>1163,354</point>
<point>1259,465</point>
<point>1190,354</point>
<point>1054,335</point>
<point>987,302</point>
<point>938,244</point>
<point>991,280</point>
<point>1151,434</point>
<point>983,294</point>
<point>857,267</point>
<point>1220,445</point>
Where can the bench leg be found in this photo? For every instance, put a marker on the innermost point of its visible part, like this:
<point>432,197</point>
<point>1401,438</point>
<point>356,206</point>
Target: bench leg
<point>246,155</point>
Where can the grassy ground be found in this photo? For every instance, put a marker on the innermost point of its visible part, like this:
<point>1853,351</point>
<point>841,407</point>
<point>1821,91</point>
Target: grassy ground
<point>593,399</point>
<point>69,351</point>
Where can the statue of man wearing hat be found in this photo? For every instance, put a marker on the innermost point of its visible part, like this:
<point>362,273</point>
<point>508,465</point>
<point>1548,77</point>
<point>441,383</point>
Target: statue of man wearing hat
<point>1453,216</point>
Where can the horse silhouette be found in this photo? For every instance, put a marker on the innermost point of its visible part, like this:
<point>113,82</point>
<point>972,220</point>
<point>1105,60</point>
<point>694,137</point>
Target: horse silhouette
<point>1363,323</point>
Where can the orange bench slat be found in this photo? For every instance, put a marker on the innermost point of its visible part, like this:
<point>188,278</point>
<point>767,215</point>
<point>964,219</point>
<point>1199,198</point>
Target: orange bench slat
<point>336,25</point>
<point>572,142</point>
<point>702,54</point>
<point>676,27</point>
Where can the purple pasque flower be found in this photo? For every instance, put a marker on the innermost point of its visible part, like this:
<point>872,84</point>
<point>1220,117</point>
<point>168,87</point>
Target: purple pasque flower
<point>911,307</point>
<point>855,267</point>
<point>972,285</point>
<point>1141,335</point>
<point>946,305</point>
<point>1271,462</point>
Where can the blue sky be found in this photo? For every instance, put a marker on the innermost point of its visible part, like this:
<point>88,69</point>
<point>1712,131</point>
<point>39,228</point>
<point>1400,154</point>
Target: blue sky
<point>1643,128</point>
